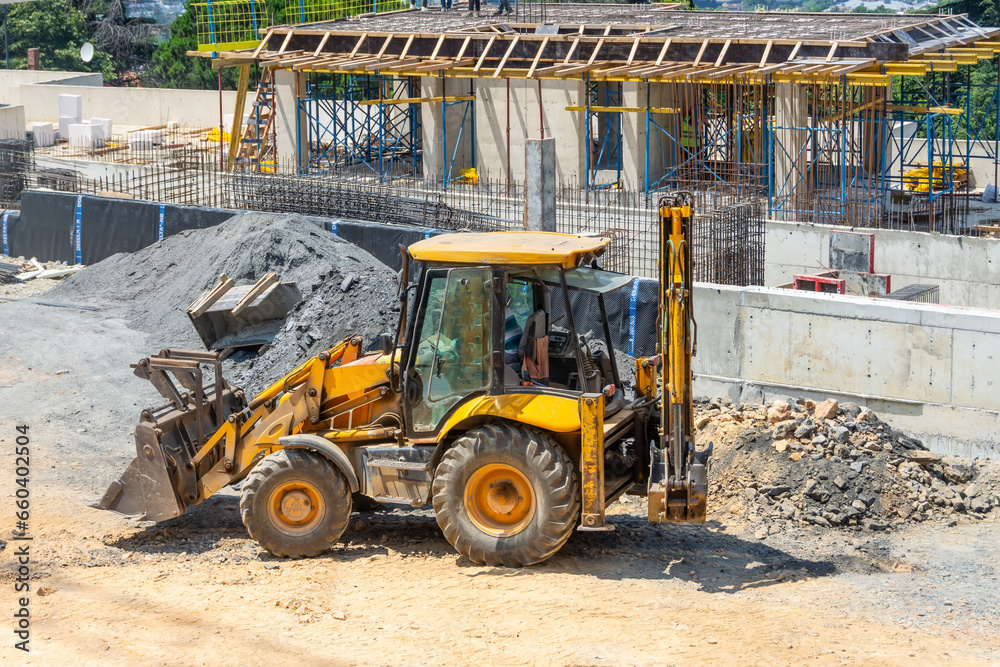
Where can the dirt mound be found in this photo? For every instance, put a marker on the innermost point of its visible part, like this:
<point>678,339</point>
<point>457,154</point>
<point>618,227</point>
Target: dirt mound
<point>150,289</point>
<point>834,465</point>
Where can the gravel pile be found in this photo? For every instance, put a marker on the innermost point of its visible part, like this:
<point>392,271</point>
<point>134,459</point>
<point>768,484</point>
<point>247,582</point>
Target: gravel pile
<point>833,465</point>
<point>345,290</point>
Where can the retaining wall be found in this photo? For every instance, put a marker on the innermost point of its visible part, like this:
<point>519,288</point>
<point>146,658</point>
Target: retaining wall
<point>130,107</point>
<point>930,370</point>
<point>967,269</point>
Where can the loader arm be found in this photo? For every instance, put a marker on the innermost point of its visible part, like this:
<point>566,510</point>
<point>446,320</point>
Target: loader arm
<point>207,438</point>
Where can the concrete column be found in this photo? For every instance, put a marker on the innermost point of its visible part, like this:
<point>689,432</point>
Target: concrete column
<point>540,185</point>
<point>445,138</point>
<point>291,131</point>
<point>791,155</point>
<point>528,119</point>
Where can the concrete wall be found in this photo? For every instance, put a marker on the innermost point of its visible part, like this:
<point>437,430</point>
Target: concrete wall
<point>16,77</point>
<point>12,122</point>
<point>967,269</point>
<point>127,106</point>
<point>931,371</point>
<point>446,132</point>
<point>567,127</point>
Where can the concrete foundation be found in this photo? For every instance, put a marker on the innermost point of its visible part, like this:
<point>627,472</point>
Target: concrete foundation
<point>967,269</point>
<point>446,131</point>
<point>931,371</point>
<point>566,127</point>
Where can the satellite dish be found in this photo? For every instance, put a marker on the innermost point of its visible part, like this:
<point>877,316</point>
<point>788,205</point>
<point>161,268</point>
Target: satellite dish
<point>87,52</point>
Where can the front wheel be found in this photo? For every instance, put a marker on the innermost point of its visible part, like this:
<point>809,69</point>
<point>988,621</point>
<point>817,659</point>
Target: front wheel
<point>506,495</point>
<point>295,503</point>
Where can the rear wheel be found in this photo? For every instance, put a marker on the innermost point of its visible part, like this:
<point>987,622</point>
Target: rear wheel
<point>295,503</point>
<point>506,495</point>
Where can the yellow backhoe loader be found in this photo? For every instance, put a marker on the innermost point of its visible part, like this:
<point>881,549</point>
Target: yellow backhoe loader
<point>498,401</point>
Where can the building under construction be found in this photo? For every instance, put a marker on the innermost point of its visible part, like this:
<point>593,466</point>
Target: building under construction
<point>863,120</point>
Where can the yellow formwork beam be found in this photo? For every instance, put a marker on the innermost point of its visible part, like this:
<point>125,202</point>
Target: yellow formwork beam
<point>598,109</point>
<point>419,100</point>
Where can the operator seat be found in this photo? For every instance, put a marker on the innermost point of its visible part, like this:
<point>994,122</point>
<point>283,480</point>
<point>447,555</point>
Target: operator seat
<point>534,349</point>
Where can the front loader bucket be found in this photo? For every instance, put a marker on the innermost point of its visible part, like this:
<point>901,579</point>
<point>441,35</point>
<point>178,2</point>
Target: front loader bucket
<point>162,480</point>
<point>231,316</point>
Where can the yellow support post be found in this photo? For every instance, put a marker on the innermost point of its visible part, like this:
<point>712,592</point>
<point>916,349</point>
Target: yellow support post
<point>236,135</point>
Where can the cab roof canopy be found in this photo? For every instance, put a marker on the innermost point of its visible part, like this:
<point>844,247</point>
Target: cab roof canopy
<point>509,248</point>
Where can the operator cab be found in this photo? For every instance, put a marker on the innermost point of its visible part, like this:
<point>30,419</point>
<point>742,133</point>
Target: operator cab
<point>507,313</point>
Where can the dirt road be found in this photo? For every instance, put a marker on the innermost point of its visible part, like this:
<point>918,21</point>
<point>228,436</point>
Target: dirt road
<point>197,590</point>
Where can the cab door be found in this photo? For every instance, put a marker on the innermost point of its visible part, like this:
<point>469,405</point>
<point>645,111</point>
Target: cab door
<point>451,355</point>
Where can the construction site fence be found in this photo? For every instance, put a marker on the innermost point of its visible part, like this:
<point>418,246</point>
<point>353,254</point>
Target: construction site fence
<point>241,24</point>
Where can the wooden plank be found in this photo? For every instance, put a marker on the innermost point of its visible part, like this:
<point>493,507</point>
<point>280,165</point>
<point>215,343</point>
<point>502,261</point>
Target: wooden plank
<point>258,288</point>
<point>663,52</point>
<point>635,47</point>
<point>465,45</point>
<point>437,47</point>
<point>263,42</point>
<point>597,49</point>
<point>361,40</point>
<point>767,52</point>
<point>572,49</point>
<point>322,43</point>
<point>538,56</point>
<point>486,51</point>
<point>701,51</point>
<point>503,61</point>
<point>722,54</point>
<point>385,44</point>
<point>436,67</point>
<point>833,50</point>
<point>284,44</point>
<point>795,51</point>
<point>406,49</point>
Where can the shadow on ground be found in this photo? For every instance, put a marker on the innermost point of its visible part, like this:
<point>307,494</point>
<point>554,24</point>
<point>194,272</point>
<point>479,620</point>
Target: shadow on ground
<point>710,557</point>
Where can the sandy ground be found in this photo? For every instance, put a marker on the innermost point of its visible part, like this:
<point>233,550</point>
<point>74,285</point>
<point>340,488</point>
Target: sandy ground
<point>197,590</point>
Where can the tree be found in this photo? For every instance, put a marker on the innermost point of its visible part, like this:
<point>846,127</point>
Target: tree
<point>128,41</point>
<point>173,68</point>
<point>58,30</point>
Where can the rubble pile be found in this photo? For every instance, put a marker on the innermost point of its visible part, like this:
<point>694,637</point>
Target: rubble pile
<point>833,465</point>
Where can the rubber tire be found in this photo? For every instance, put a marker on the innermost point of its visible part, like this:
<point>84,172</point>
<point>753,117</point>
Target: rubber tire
<point>289,465</point>
<point>552,476</point>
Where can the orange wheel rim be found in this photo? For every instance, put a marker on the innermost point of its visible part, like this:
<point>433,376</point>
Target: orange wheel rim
<point>499,500</point>
<point>296,508</point>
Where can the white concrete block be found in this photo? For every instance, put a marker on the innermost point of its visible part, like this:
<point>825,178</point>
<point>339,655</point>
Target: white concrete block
<point>71,106</point>
<point>105,124</point>
<point>86,135</point>
<point>43,133</point>
<point>64,123</point>
<point>145,139</point>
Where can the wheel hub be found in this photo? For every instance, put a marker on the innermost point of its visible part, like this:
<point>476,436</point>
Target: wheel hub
<point>295,508</point>
<point>499,500</point>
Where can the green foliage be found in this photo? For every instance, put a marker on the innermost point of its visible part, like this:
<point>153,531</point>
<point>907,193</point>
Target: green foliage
<point>173,68</point>
<point>816,5</point>
<point>58,30</point>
